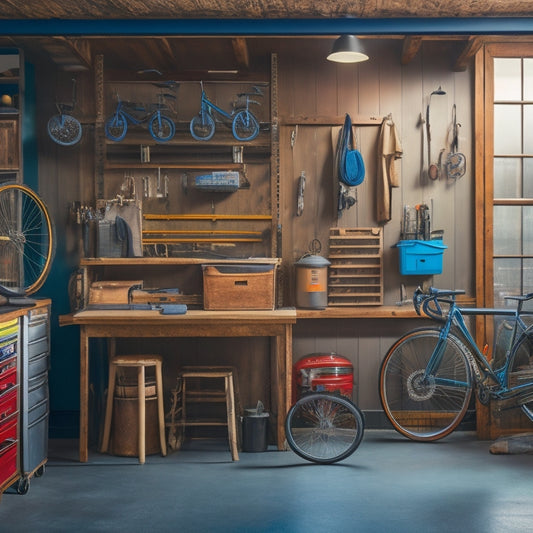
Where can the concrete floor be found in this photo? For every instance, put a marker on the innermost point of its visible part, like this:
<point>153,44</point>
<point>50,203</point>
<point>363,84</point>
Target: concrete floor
<point>389,484</point>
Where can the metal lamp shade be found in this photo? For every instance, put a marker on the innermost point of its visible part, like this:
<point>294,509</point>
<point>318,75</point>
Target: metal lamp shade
<point>347,49</point>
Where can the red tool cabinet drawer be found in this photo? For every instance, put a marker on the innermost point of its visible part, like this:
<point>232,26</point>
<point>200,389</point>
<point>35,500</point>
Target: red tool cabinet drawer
<point>8,428</point>
<point>8,403</point>
<point>8,459</point>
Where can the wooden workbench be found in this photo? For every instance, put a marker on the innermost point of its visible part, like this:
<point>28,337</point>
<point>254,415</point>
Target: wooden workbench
<point>133,323</point>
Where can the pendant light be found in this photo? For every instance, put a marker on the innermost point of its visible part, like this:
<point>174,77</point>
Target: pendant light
<point>347,49</point>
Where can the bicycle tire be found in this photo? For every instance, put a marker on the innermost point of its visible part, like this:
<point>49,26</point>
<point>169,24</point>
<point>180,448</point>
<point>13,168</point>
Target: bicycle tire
<point>521,367</point>
<point>324,428</point>
<point>425,410</point>
<point>27,241</point>
<point>202,126</point>
<point>116,127</point>
<point>245,126</point>
<point>161,128</point>
<point>64,129</point>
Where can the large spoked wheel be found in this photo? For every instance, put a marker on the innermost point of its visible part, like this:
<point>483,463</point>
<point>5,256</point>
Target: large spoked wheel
<point>27,241</point>
<point>521,367</point>
<point>64,129</point>
<point>425,408</point>
<point>202,126</point>
<point>116,127</point>
<point>245,126</point>
<point>324,428</point>
<point>162,128</point>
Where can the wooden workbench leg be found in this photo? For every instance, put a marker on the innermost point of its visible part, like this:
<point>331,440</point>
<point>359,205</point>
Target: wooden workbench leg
<point>142,414</point>
<point>84,396</point>
<point>282,376</point>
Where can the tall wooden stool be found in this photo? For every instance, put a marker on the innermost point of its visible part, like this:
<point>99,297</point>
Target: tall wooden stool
<point>226,394</point>
<point>141,362</point>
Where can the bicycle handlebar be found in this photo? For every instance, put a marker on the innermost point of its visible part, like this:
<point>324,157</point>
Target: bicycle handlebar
<point>429,303</point>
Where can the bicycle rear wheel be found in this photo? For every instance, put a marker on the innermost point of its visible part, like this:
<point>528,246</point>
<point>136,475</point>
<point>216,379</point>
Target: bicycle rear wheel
<point>324,428</point>
<point>425,408</point>
<point>521,367</point>
<point>116,127</point>
<point>245,126</point>
<point>26,241</point>
<point>202,126</point>
<point>64,129</point>
<point>161,128</point>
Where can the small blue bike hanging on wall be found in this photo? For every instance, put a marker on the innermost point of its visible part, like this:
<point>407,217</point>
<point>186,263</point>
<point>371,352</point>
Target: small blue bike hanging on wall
<point>244,124</point>
<point>161,127</point>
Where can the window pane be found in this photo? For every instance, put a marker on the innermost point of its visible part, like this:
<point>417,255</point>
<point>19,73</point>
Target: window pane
<point>528,129</point>
<point>527,230</point>
<point>507,279</point>
<point>528,178</point>
<point>507,79</point>
<point>527,279</point>
<point>507,129</point>
<point>528,79</point>
<point>507,234</point>
<point>507,177</point>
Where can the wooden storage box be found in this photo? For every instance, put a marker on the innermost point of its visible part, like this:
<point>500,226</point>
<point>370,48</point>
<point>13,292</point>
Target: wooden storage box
<point>239,286</point>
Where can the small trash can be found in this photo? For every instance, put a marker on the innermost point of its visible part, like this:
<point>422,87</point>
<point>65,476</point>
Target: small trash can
<point>255,429</point>
<point>312,282</point>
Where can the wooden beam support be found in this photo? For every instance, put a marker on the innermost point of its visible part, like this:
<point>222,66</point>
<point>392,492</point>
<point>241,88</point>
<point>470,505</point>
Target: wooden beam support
<point>470,50</point>
<point>411,46</point>
<point>240,49</point>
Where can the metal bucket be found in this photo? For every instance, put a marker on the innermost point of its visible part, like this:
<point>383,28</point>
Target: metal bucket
<point>312,282</point>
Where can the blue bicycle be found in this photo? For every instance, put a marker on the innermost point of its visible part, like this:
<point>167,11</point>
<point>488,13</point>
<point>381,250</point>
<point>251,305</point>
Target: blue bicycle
<point>427,376</point>
<point>244,125</point>
<point>161,127</point>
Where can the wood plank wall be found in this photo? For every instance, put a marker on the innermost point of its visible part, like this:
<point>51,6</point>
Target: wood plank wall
<point>310,86</point>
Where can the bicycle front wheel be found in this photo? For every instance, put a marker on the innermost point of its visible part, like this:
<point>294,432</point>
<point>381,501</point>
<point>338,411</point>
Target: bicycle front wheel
<point>202,126</point>
<point>245,126</point>
<point>324,428</point>
<point>425,407</point>
<point>521,367</point>
<point>64,129</point>
<point>116,127</point>
<point>162,128</point>
<point>26,241</point>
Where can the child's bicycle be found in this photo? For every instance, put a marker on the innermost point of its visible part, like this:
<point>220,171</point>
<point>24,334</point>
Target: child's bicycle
<point>63,128</point>
<point>427,376</point>
<point>324,427</point>
<point>161,127</point>
<point>244,124</point>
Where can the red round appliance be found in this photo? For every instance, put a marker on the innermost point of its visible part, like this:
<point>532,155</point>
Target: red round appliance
<point>322,372</point>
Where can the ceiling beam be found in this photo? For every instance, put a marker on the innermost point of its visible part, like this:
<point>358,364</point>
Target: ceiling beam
<point>240,49</point>
<point>469,51</point>
<point>411,46</point>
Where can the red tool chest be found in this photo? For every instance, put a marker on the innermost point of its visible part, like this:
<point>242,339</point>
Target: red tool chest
<point>9,403</point>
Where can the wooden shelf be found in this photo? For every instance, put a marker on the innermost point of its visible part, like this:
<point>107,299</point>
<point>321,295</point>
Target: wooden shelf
<point>359,312</point>
<point>169,261</point>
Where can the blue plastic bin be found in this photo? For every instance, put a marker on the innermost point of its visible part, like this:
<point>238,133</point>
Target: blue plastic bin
<point>420,257</point>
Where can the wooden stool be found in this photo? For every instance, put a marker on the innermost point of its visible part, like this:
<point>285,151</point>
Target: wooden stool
<point>227,395</point>
<point>140,362</point>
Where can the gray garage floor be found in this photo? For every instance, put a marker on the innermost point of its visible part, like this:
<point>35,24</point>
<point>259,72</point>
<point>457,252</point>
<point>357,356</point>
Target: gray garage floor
<point>388,484</point>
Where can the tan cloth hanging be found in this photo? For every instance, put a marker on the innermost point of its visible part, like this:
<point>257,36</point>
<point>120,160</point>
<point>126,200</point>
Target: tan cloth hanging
<point>389,150</point>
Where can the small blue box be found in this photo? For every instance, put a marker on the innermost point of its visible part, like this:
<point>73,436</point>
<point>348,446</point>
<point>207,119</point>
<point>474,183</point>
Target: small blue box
<point>420,257</point>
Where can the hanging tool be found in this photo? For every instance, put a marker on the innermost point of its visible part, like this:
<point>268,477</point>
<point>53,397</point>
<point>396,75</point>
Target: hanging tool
<point>433,169</point>
<point>301,189</point>
<point>456,161</point>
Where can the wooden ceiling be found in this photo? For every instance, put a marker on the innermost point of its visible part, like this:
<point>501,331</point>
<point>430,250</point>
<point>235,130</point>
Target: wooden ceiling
<point>226,53</point>
<point>258,9</point>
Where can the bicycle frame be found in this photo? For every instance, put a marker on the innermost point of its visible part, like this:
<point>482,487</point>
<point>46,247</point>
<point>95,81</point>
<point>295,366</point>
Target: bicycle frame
<point>488,380</point>
<point>208,106</point>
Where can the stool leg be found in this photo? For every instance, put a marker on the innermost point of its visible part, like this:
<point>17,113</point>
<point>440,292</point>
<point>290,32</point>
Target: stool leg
<point>142,413</point>
<point>230,407</point>
<point>160,408</point>
<point>109,408</point>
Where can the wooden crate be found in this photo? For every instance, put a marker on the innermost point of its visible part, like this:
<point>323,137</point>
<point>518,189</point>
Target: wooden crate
<point>239,287</point>
<point>356,271</point>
